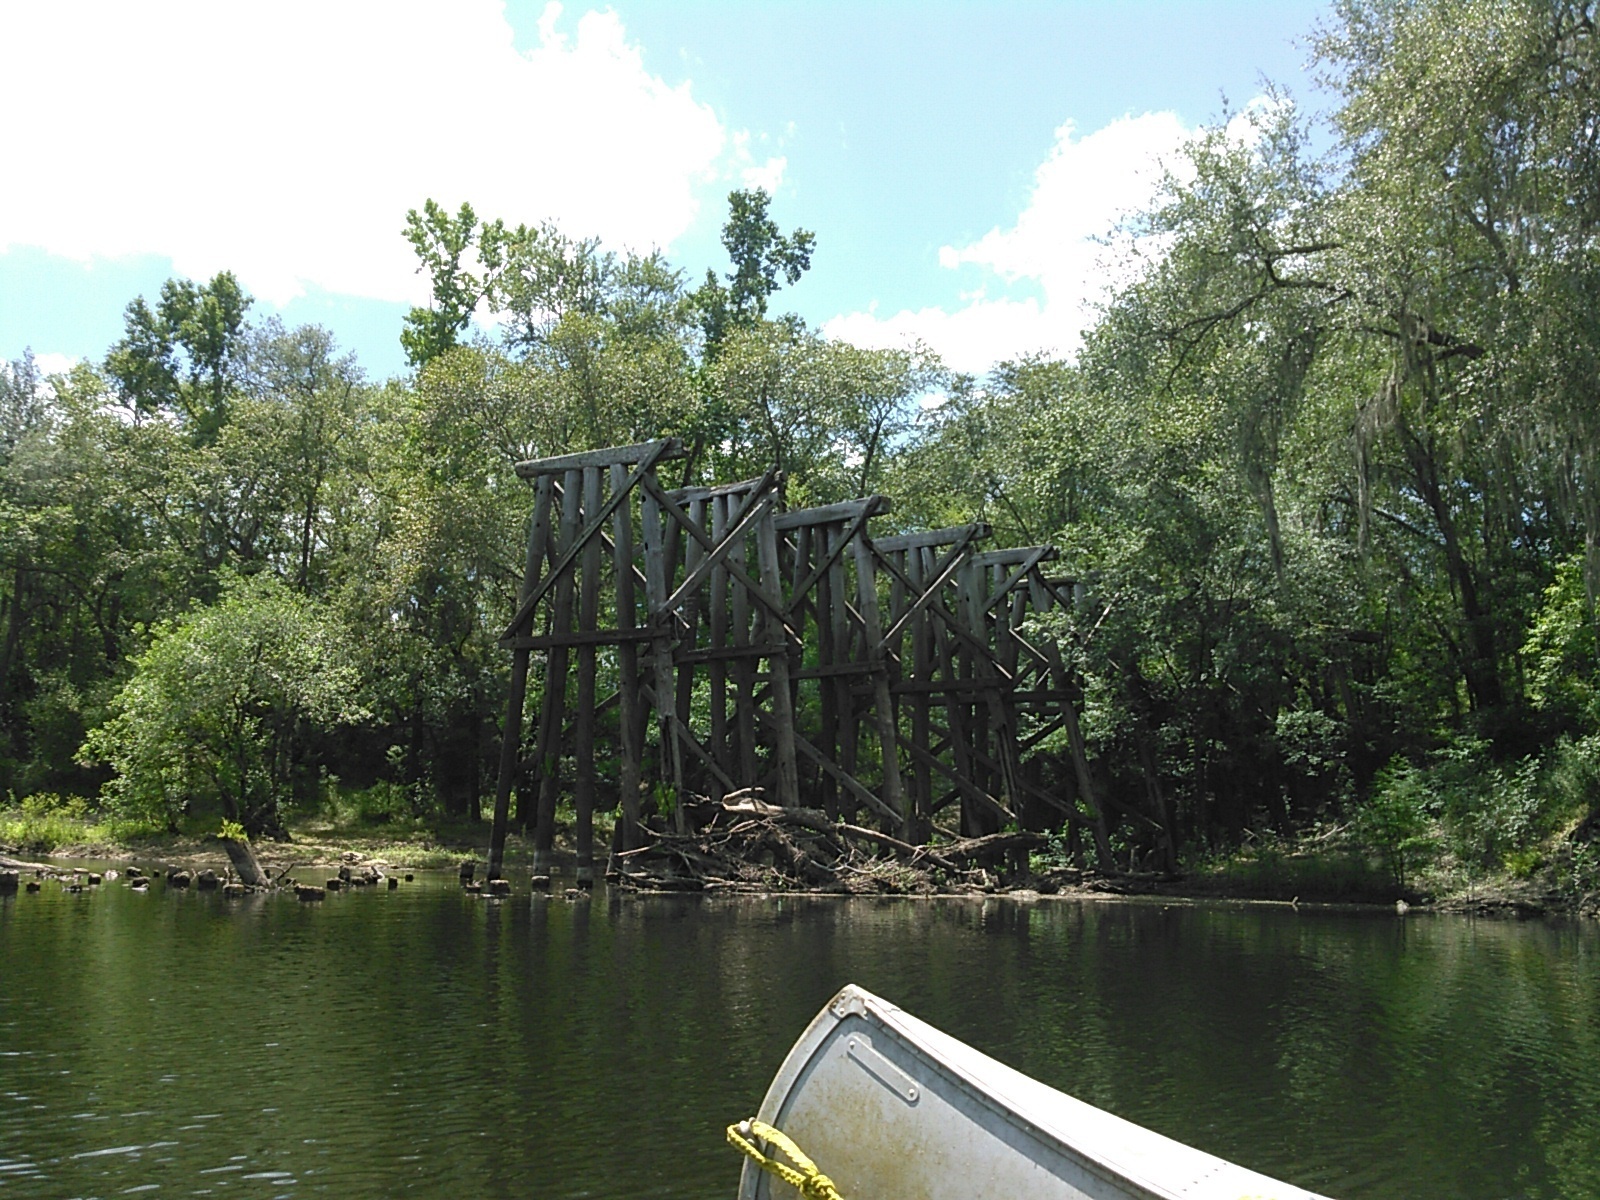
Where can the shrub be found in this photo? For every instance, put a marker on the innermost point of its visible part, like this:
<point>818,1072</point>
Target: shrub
<point>1395,823</point>
<point>216,705</point>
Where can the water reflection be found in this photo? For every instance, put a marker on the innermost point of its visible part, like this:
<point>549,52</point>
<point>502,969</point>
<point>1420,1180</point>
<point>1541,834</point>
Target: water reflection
<point>427,1043</point>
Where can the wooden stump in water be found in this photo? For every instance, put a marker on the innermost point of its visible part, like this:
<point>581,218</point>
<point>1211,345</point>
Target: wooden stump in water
<point>245,864</point>
<point>207,880</point>
<point>306,892</point>
<point>179,879</point>
<point>8,883</point>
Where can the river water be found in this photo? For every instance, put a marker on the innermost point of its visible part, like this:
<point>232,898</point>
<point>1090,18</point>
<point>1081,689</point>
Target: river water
<point>428,1043</point>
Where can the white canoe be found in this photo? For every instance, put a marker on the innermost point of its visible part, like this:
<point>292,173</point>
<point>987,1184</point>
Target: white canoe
<point>891,1109</point>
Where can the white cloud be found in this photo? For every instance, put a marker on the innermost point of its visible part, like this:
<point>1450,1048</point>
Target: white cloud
<point>286,141</point>
<point>55,364</point>
<point>1057,247</point>
<point>768,176</point>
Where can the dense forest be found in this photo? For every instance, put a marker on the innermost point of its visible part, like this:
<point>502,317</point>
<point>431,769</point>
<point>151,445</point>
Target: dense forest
<point>1327,467</point>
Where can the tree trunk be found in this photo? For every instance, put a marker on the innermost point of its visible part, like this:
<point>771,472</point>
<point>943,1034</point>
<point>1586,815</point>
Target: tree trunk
<point>244,862</point>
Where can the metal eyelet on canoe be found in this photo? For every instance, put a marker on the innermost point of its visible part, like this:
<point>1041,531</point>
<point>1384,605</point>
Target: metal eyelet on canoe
<point>880,1068</point>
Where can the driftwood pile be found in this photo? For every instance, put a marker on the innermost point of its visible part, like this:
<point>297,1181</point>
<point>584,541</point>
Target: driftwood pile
<point>743,844</point>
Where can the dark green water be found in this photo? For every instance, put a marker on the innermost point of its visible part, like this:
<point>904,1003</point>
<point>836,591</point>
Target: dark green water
<point>427,1043</point>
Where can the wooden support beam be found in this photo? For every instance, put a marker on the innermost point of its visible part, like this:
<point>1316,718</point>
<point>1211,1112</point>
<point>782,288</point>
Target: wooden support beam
<point>857,524</point>
<point>782,699</point>
<point>828,514</point>
<point>722,654</point>
<point>583,790</point>
<point>933,538</point>
<point>1010,556</point>
<point>883,702</point>
<point>927,594</point>
<point>954,624</point>
<point>657,451</point>
<point>555,677</point>
<point>629,730</point>
<point>516,700</point>
<point>655,571</point>
<point>773,604</point>
<point>1034,557</point>
<point>596,522</point>
<point>756,505</point>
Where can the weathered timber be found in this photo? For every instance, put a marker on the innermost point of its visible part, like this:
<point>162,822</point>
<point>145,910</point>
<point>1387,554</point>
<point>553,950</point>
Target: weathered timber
<point>771,642</point>
<point>657,451</point>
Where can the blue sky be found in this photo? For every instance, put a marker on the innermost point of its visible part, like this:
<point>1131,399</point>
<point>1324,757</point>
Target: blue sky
<point>955,160</point>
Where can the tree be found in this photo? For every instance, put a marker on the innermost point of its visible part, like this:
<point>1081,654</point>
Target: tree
<point>441,243</point>
<point>184,356</point>
<point>215,713</point>
<point>761,256</point>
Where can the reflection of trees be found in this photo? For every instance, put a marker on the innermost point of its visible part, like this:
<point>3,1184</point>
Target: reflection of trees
<point>424,1037</point>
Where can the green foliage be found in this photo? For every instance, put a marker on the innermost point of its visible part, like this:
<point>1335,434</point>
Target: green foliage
<point>213,713</point>
<point>1322,480</point>
<point>48,821</point>
<point>1561,654</point>
<point>183,356</point>
<point>1396,823</point>
<point>441,243</point>
<point>761,256</point>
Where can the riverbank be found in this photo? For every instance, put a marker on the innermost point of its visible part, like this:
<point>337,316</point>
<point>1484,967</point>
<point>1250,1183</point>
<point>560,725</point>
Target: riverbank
<point>1255,874</point>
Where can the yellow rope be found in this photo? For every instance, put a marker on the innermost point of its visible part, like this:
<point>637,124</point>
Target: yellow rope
<point>813,1184</point>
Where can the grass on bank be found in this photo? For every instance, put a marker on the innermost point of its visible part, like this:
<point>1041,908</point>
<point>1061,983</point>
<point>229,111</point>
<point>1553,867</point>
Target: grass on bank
<point>379,822</point>
<point>1452,827</point>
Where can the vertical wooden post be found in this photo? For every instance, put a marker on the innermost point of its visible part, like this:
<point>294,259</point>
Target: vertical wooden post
<point>553,716</point>
<point>511,738</point>
<point>628,730</point>
<point>717,668</point>
<point>655,577</point>
<point>921,724</point>
<point>813,780</point>
<point>844,702</point>
<point>778,664</point>
<point>583,734</point>
<point>693,605</point>
<point>883,701</point>
<point>953,665</point>
<point>744,668</point>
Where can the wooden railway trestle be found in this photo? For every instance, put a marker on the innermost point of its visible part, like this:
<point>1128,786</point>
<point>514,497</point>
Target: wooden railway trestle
<point>790,649</point>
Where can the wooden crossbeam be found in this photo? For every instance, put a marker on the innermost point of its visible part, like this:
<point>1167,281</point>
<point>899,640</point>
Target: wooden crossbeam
<point>651,455</point>
<point>828,514</point>
<point>771,603</point>
<point>1035,556</point>
<point>755,506</point>
<point>867,510</point>
<point>657,451</point>
<point>932,539</point>
<point>585,637</point>
<point>952,563</point>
